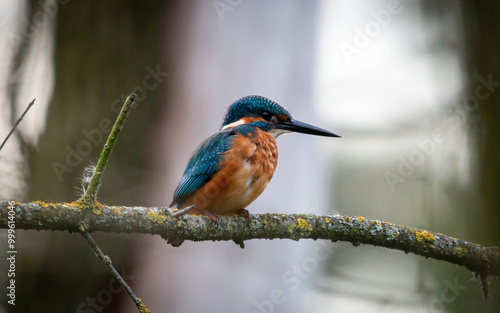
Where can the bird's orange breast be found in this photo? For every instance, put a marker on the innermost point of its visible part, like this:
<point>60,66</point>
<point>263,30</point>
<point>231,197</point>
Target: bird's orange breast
<point>245,170</point>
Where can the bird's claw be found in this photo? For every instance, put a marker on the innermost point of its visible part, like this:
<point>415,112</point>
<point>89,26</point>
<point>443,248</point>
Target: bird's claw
<point>245,214</point>
<point>212,216</point>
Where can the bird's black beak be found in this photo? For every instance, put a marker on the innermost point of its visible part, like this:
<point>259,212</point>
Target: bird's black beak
<point>301,127</point>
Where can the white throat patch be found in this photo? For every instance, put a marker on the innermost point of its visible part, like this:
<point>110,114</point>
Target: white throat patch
<point>277,132</point>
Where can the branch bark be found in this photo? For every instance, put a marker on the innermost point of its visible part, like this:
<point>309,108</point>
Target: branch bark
<point>161,221</point>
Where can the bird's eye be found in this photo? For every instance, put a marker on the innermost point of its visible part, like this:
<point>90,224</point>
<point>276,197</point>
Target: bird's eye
<point>266,116</point>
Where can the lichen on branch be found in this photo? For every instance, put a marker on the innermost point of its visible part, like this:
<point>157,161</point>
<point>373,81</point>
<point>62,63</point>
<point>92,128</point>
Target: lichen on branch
<point>161,221</point>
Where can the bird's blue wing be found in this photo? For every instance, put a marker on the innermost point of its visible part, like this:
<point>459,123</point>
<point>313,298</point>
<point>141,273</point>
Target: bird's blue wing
<point>203,164</point>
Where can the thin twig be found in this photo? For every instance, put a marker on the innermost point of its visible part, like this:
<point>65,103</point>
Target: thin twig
<point>107,260</point>
<point>186,210</point>
<point>17,123</point>
<point>91,194</point>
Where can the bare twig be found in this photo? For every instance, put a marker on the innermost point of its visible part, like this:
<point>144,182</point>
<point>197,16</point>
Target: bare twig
<point>107,260</point>
<point>91,194</point>
<point>186,210</point>
<point>17,123</point>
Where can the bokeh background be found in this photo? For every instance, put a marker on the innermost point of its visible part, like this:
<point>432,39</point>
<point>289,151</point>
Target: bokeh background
<point>412,86</point>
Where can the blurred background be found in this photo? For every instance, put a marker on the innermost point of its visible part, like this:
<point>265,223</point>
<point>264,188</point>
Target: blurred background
<point>412,86</point>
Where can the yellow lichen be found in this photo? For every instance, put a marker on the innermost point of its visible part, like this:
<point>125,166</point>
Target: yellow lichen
<point>41,203</point>
<point>424,235</point>
<point>302,223</point>
<point>459,251</point>
<point>99,205</point>
<point>97,208</point>
<point>156,217</point>
<point>361,219</point>
<point>115,210</point>
<point>72,205</point>
<point>327,220</point>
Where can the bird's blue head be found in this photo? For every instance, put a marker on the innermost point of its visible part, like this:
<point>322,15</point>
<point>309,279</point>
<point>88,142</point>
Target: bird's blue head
<point>254,106</point>
<point>269,116</point>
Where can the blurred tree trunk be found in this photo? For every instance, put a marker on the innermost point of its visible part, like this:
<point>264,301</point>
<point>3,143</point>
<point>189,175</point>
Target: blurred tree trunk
<point>103,49</point>
<point>103,52</point>
<point>482,26</point>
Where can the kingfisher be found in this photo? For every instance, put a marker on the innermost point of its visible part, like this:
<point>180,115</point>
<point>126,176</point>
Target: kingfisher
<point>231,168</point>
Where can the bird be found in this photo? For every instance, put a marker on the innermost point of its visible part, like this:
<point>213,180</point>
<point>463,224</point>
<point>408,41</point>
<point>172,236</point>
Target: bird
<point>231,168</point>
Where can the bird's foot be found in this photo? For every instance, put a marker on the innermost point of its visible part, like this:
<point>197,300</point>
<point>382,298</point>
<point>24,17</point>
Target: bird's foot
<point>212,216</point>
<point>245,214</point>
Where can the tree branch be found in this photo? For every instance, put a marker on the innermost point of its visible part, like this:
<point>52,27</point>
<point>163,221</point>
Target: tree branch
<point>107,260</point>
<point>17,123</point>
<point>95,181</point>
<point>38,215</point>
